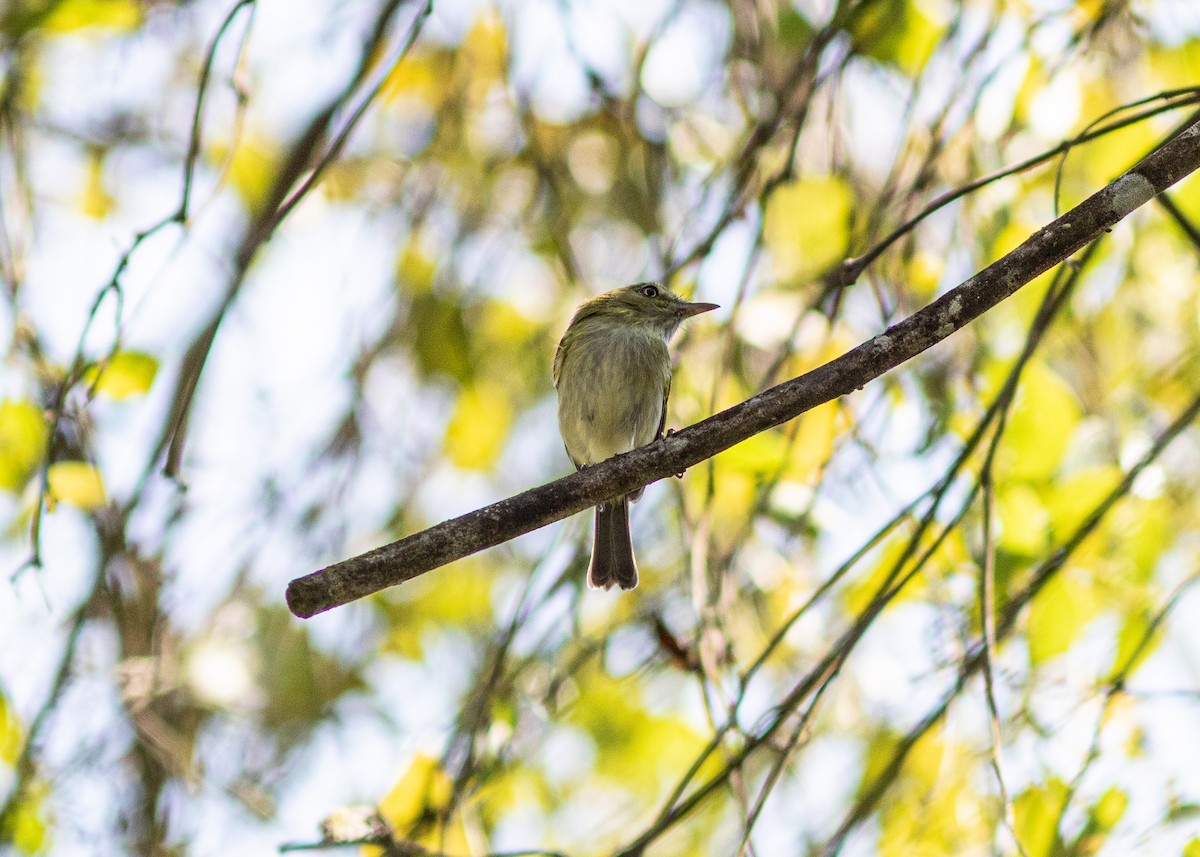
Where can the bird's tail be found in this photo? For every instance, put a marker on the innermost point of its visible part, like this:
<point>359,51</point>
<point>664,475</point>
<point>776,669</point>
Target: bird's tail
<point>612,550</point>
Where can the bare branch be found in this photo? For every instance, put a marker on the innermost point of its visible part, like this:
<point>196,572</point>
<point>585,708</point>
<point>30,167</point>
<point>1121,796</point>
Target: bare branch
<point>277,205</point>
<point>414,555</point>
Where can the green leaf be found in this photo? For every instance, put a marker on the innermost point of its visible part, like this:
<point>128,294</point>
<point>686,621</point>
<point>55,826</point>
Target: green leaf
<point>897,32</point>
<point>792,28</point>
<point>127,374</point>
<point>23,434</point>
<point>438,335</point>
<point>415,269</point>
<point>1186,811</point>
<point>807,226</point>
<point>301,682</point>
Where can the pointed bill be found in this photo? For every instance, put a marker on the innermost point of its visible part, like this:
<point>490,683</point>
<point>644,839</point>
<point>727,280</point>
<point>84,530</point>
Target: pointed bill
<point>689,309</point>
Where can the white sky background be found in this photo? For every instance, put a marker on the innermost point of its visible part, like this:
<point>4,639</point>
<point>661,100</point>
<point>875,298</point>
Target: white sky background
<point>275,382</point>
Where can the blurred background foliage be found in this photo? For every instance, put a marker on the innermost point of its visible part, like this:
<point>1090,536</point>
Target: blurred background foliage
<point>283,282</point>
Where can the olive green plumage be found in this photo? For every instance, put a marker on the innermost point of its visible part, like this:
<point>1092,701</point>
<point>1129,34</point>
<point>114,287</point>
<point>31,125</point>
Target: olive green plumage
<point>613,374</point>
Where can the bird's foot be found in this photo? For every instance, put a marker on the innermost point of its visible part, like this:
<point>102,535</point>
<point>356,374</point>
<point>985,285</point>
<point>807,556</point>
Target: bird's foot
<point>670,432</point>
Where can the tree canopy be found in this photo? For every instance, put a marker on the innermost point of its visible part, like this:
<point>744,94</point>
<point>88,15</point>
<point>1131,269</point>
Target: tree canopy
<point>283,284</point>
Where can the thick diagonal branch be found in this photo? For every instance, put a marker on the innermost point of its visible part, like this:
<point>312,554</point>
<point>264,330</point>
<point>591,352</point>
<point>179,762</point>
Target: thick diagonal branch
<point>492,525</point>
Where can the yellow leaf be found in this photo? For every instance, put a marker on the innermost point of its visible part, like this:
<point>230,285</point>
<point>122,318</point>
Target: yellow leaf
<point>250,168</point>
<point>1105,157</point>
<point>1024,521</point>
<point>1109,809</point>
<point>11,739</point>
<point>925,274</point>
<point>1058,614</point>
<point>423,789</point>
<point>479,426</point>
<point>484,49</point>
<point>68,15</point>
<point>639,749</point>
<point>413,804</point>
<point>345,178</point>
<point>807,226</point>
<point>415,269</point>
<point>759,454</point>
<point>1176,65</point>
<point>1146,529</point>
<point>77,483</point>
<point>1040,426</point>
<point>1135,642</point>
<point>1074,497</point>
<point>814,442</point>
<point>94,200</point>
<point>932,807</point>
<point>512,786</point>
<point>461,596</point>
<point>503,325</point>
<point>27,828</point>
<point>1033,83</point>
<point>865,589</point>
<point>1010,238</point>
<point>1037,811</point>
<point>730,506</point>
<point>128,374</point>
<point>23,434</point>
<point>423,76</point>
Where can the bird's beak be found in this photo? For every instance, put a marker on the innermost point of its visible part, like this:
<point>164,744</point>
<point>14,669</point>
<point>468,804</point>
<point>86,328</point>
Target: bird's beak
<point>688,309</point>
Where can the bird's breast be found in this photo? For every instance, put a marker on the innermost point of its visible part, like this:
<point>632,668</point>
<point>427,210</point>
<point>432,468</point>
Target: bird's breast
<point>611,389</point>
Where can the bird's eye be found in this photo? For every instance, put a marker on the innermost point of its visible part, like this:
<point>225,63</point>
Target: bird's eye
<point>650,291</point>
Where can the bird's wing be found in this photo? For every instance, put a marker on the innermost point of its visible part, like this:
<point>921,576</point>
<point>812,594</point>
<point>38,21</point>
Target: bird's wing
<point>560,354</point>
<point>662,418</point>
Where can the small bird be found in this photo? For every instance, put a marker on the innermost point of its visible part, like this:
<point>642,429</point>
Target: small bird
<point>612,371</point>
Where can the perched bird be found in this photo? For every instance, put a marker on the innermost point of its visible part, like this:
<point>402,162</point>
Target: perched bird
<point>613,373</point>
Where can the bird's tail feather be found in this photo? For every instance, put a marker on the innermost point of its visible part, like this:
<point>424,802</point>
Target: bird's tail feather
<point>612,550</point>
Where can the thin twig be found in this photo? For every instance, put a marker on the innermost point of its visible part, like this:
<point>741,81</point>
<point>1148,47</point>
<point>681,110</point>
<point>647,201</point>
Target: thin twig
<point>973,661</point>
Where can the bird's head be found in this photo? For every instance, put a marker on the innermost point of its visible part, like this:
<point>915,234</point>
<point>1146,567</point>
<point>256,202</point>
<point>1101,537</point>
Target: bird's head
<point>644,305</point>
